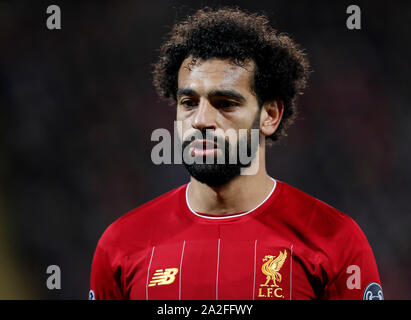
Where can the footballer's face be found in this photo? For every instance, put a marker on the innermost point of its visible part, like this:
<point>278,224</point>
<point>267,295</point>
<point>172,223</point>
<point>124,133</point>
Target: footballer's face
<point>215,96</point>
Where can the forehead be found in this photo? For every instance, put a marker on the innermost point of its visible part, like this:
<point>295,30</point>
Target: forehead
<point>207,75</point>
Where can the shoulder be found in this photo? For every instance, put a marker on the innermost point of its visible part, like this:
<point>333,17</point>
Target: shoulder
<point>136,224</point>
<point>334,235</point>
<point>320,218</point>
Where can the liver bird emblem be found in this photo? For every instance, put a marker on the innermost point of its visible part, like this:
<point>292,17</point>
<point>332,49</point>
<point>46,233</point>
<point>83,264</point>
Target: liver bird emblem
<point>272,267</point>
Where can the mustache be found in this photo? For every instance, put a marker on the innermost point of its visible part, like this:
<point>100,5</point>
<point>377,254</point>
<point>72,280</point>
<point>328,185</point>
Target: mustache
<point>220,142</point>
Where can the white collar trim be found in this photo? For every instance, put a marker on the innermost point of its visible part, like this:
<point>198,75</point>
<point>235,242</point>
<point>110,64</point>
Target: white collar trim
<point>230,216</point>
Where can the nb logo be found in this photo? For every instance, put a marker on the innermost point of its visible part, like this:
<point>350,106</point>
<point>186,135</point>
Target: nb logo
<point>161,277</point>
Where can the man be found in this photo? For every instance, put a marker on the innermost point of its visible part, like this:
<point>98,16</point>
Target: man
<point>233,232</point>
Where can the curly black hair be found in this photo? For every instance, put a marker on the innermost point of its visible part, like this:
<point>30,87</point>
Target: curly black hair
<point>281,71</point>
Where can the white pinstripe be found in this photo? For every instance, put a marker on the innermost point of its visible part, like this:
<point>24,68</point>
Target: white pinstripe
<point>218,267</point>
<point>255,262</point>
<point>181,267</point>
<point>148,271</point>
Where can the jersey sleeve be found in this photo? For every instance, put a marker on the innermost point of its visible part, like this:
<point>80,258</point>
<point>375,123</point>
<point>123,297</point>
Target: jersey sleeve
<point>105,280</point>
<point>356,274</point>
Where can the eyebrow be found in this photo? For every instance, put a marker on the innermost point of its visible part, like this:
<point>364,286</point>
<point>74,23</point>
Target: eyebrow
<point>214,93</point>
<point>186,92</point>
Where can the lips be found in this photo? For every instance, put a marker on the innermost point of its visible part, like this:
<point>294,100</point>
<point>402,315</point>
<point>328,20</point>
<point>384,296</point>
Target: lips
<point>203,148</point>
<point>203,144</point>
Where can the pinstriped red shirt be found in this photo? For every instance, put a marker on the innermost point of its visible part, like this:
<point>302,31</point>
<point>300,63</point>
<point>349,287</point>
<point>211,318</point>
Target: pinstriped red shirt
<point>291,246</point>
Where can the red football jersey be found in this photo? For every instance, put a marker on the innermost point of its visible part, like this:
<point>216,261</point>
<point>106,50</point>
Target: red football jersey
<point>291,246</point>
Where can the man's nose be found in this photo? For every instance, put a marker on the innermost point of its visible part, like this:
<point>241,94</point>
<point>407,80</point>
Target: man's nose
<point>205,117</point>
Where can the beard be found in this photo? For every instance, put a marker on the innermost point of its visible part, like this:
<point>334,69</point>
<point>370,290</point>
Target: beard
<point>218,174</point>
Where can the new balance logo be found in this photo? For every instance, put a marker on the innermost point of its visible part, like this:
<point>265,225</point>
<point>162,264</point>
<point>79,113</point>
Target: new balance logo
<point>161,277</point>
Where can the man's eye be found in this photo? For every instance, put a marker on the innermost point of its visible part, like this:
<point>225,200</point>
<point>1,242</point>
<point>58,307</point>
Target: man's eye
<point>224,104</point>
<point>188,103</point>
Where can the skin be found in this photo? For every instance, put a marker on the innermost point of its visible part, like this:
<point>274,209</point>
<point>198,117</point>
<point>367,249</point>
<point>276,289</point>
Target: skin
<point>216,94</point>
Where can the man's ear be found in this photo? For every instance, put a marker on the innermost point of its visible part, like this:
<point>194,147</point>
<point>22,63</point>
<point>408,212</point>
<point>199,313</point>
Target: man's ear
<point>271,114</point>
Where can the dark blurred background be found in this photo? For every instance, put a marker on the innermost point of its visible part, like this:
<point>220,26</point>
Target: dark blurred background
<point>78,110</point>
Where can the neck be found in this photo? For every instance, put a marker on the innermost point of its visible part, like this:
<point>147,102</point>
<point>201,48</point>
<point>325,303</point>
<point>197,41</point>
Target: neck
<point>243,193</point>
